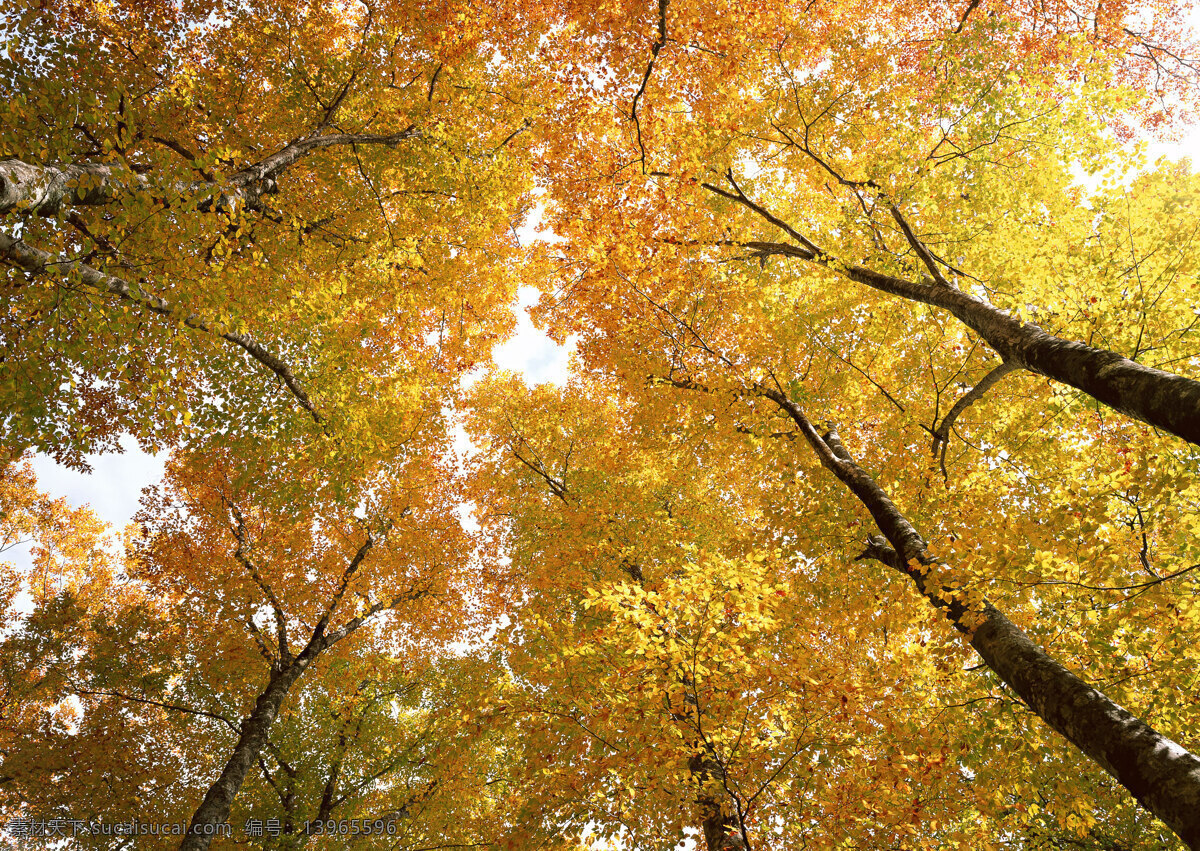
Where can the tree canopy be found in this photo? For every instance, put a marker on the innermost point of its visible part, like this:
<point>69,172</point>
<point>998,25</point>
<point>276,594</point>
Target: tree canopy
<point>867,517</point>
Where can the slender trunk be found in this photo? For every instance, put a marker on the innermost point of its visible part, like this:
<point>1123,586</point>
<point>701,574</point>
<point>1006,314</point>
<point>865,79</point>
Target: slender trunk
<point>213,811</point>
<point>722,829</point>
<point>1161,775</point>
<point>329,793</point>
<point>44,190</point>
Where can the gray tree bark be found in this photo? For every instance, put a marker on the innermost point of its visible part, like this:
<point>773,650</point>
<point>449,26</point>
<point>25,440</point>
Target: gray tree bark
<point>722,829</point>
<point>1162,399</point>
<point>1159,773</point>
<point>44,190</point>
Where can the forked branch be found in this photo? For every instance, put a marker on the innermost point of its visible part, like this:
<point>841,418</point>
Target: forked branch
<point>1161,775</point>
<point>941,431</point>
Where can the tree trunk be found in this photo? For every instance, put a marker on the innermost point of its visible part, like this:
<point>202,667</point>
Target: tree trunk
<point>1162,399</point>
<point>1161,775</point>
<point>213,811</point>
<point>44,190</point>
<point>722,830</point>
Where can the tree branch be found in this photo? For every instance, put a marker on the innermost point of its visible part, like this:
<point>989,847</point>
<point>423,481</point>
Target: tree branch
<point>44,190</point>
<point>919,247</point>
<point>654,49</point>
<point>941,431</point>
<point>962,22</point>
<point>239,533</point>
<point>1156,397</point>
<point>148,702</point>
<point>556,487</point>
<point>14,252</point>
<point>347,575</point>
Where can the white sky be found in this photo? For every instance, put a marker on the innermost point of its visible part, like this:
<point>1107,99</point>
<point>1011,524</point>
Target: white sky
<point>115,484</point>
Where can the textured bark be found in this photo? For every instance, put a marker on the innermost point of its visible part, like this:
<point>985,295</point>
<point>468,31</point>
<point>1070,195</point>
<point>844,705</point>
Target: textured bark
<point>1162,399</point>
<point>214,809</point>
<point>1161,775</point>
<point>722,830</point>
<point>14,252</point>
<point>44,190</point>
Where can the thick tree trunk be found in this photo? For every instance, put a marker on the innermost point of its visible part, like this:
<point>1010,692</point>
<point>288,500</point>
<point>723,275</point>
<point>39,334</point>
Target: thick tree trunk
<point>1162,399</point>
<point>213,811</point>
<point>722,829</point>
<point>1161,775</point>
<point>44,190</point>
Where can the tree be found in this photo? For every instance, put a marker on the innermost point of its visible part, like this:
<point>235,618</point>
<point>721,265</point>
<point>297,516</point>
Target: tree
<point>279,239</point>
<point>696,679</point>
<point>646,283</point>
<point>348,162</point>
<point>210,142</point>
<point>242,588</point>
<point>588,693</point>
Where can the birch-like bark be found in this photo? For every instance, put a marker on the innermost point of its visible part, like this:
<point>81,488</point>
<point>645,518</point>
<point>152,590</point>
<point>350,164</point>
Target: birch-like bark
<point>1160,774</point>
<point>44,190</point>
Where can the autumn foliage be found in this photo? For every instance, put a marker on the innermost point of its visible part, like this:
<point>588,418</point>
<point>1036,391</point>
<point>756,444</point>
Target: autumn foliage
<point>866,518</point>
